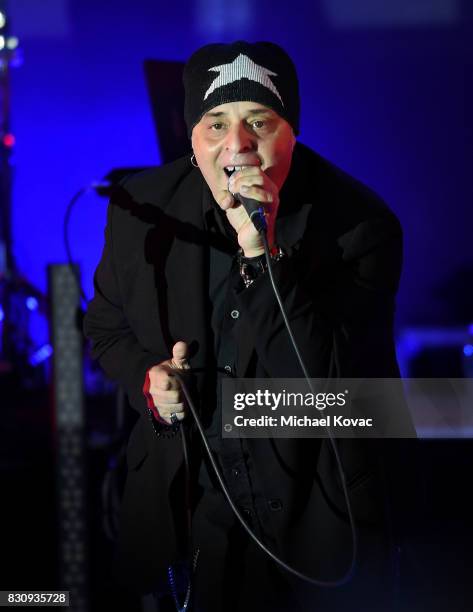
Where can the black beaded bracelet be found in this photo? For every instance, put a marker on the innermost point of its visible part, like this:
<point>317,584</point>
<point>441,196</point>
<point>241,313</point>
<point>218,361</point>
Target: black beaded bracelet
<point>162,430</point>
<point>252,267</point>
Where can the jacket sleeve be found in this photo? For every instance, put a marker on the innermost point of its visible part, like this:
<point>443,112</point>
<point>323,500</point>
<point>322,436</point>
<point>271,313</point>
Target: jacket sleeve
<point>342,320</point>
<point>113,342</point>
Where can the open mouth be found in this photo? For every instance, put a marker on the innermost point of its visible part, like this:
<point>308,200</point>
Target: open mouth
<point>229,170</point>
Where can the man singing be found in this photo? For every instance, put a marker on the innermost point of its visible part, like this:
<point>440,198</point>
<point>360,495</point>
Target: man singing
<point>183,284</point>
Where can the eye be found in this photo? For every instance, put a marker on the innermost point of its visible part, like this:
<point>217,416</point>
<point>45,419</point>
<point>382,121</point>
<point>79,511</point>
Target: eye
<point>258,124</point>
<point>216,126</point>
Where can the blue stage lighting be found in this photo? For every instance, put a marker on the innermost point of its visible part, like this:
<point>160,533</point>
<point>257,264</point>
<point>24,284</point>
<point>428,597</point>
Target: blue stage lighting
<point>468,350</point>
<point>41,354</point>
<point>31,303</point>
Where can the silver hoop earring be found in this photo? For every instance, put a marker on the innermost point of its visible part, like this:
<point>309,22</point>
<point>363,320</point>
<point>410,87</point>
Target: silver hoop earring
<point>193,161</point>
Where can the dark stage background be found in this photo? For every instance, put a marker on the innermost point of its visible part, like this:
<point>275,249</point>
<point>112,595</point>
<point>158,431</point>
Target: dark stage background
<point>387,93</point>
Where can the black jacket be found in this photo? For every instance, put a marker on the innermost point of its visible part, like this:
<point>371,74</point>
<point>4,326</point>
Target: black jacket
<point>338,284</point>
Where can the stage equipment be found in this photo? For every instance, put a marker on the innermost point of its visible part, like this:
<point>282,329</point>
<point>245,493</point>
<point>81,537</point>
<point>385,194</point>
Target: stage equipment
<point>18,299</point>
<point>67,341</point>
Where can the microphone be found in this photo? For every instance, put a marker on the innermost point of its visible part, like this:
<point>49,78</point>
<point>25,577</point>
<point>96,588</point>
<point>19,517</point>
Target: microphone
<point>255,212</point>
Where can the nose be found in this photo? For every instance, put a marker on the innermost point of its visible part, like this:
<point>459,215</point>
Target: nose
<point>239,139</point>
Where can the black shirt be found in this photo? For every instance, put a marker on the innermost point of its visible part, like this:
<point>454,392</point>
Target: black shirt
<point>231,453</point>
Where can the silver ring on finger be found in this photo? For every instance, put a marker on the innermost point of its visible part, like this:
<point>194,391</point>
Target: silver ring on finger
<point>174,418</point>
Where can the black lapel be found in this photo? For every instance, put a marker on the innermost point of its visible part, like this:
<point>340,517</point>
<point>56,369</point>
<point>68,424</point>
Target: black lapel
<point>185,270</point>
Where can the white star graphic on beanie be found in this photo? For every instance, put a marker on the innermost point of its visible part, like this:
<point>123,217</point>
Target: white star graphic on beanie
<point>242,67</point>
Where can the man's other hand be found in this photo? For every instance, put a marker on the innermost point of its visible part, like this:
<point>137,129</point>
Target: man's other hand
<point>164,387</point>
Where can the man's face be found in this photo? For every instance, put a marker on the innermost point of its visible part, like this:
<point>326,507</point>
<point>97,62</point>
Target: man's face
<point>242,134</point>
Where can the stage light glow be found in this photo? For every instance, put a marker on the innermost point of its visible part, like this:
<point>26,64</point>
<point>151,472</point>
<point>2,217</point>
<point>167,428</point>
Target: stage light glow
<point>12,43</point>
<point>41,354</point>
<point>468,350</point>
<point>470,329</point>
<point>2,43</point>
<point>3,20</point>
<point>9,140</point>
<point>31,303</point>
<point>2,314</point>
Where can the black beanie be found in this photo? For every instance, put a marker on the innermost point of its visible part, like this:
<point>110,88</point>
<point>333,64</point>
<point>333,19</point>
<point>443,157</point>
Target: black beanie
<point>240,72</point>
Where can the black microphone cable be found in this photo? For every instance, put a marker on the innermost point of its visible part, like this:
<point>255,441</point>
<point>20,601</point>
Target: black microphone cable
<point>260,225</point>
<point>65,234</point>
